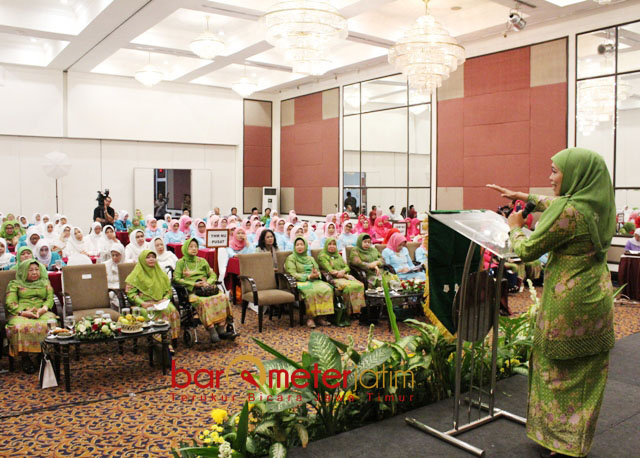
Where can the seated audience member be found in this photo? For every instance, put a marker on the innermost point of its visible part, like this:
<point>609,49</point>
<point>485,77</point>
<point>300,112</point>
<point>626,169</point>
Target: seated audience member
<point>50,260</point>
<point>49,233</point>
<point>267,243</point>
<point>296,232</point>
<point>238,243</point>
<point>174,234</point>
<point>413,228</point>
<point>288,242</point>
<point>23,254</point>
<point>351,290</point>
<point>329,231</point>
<point>292,217</point>
<point>634,243</point>
<point>141,217</point>
<point>199,231</point>
<point>307,230</point>
<point>136,245</point>
<point>213,222</point>
<point>36,220</point>
<point>78,245</point>
<point>367,257</point>
<point>413,214</point>
<point>152,229</point>
<point>136,224</point>
<point>29,301</point>
<point>390,232</point>
<point>122,224</point>
<point>9,233</point>
<point>279,231</point>
<point>185,226</point>
<point>166,222</point>
<point>105,242</point>
<point>116,256</point>
<point>251,234</point>
<point>6,259</point>
<point>61,224</point>
<point>422,252</point>
<point>397,256</point>
<point>197,277</point>
<point>165,257</point>
<point>380,228</point>
<point>24,223</point>
<point>64,241</point>
<point>347,237</point>
<point>31,239</point>
<point>317,294</point>
<point>224,222</point>
<point>147,285</point>
<point>95,237</point>
<point>266,217</point>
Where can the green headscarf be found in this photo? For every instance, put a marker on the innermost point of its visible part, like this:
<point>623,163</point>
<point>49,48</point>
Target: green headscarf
<point>370,255</point>
<point>135,226</point>
<point>20,250</point>
<point>185,248</point>
<point>303,258</point>
<point>151,281</point>
<point>3,230</point>
<point>325,250</point>
<point>586,184</point>
<point>23,271</point>
<point>332,259</point>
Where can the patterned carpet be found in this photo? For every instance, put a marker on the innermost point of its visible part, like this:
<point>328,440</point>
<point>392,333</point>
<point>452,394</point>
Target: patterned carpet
<point>119,406</point>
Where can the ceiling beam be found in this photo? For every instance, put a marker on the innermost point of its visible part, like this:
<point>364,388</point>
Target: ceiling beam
<point>223,61</point>
<point>370,40</point>
<point>23,31</point>
<point>128,29</point>
<point>222,9</point>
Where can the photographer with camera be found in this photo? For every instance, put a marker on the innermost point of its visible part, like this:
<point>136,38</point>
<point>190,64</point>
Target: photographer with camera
<point>103,213</point>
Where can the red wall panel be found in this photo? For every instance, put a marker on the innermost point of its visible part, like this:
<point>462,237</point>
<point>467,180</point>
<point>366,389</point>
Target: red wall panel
<point>503,71</point>
<point>497,139</point>
<point>450,143</point>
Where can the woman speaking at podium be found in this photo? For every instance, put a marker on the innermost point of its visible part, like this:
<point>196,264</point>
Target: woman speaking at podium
<point>574,329</point>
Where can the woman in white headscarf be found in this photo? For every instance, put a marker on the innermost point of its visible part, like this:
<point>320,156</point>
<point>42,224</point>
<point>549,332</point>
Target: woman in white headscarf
<point>94,238</point>
<point>24,223</point>
<point>122,223</point>
<point>107,239</point>
<point>62,241</point>
<point>62,222</point>
<point>43,223</point>
<point>116,256</point>
<point>78,244</point>
<point>48,232</point>
<point>165,258</point>
<point>32,237</point>
<point>44,255</point>
<point>6,258</point>
<point>36,220</point>
<point>135,246</point>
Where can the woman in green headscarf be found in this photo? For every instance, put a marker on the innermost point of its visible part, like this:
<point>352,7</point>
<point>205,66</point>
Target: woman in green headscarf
<point>367,257</point>
<point>191,272</point>
<point>10,231</point>
<point>29,299</point>
<point>135,224</point>
<point>24,253</point>
<point>574,330</point>
<point>317,294</point>
<point>352,290</point>
<point>148,285</point>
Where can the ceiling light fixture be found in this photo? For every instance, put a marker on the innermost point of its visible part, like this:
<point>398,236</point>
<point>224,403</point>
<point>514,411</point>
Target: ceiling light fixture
<point>516,21</point>
<point>245,87</point>
<point>426,54</point>
<point>149,75</point>
<point>207,45</point>
<point>305,30</point>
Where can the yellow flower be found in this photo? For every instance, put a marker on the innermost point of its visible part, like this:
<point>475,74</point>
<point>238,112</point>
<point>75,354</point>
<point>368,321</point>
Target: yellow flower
<point>502,369</point>
<point>506,363</point>
<point>219,415</point>
<point>450,358</point>
<point>515,361</point>
<point>349,396</point>
<point>411,355</point>
<point>208,440</point>
<point>237,420</point>
<point>251,404</point>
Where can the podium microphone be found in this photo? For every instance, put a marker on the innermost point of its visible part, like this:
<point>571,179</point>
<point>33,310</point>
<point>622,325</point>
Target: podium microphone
<point>530,207</point>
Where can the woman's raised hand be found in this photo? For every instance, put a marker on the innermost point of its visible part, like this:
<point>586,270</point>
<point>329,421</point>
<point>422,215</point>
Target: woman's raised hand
<point>507,193</point>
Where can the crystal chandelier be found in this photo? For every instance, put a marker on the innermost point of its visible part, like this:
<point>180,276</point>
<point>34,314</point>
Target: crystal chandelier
<point>597,102</point>
<point>426,54</point>
<point>245,87</point>
<point>305,30</point>
<point>149,75</point>
<point>207,45</point>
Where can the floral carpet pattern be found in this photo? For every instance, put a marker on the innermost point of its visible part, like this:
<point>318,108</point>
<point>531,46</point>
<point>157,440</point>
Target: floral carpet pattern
<point>121,407</point>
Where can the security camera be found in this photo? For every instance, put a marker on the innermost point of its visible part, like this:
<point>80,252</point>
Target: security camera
<point>605,48</point>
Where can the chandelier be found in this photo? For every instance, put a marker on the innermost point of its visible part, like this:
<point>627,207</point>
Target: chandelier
<point>207,45</point>
<point>245,87</point>
<point>149,75</point>
<point>305,30</point>
<point>597,102</point>
<point>426,54</point>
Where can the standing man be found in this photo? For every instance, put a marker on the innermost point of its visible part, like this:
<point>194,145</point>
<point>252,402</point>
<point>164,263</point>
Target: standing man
<point>234,211</point>
<point>186,203</point>
<point>104,214</point>
<point>392,214</point>
<point>350,201</point>
<point>160,206</point>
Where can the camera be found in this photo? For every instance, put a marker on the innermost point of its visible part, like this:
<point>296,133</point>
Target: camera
<point>102,196</point>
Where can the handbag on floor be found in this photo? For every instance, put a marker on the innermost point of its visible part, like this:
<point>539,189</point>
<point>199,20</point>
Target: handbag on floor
<point>205,291</point>
<point>47,374</point>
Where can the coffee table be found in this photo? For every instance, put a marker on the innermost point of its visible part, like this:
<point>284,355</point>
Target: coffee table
<point>60,348</point>
<point>405,305</point>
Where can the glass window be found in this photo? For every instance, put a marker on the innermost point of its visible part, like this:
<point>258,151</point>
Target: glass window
<point>595,116</point>
<point>628,130</point>
<point>384,198</point>
<point>383,93</point>
<point>351,147</point>
<point>384,147</point>
<point>420,198</point>
<point>630,197</point>
<point>351,99</point>
<point>629,47</point>
<point>420,145</point>
<point>352,198</point>
<point>596,53</point>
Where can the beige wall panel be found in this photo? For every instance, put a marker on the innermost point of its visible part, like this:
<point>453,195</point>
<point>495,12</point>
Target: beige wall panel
<point>257,113</point>
<point>252,198</point>
<point>331,103</point>
<point>286,200</point>
<point>450,198</point>
<point>541,191</point>
<point>330,198</point>
<point>287,113</point>
<point>549,63</point>
<point>453,88</point>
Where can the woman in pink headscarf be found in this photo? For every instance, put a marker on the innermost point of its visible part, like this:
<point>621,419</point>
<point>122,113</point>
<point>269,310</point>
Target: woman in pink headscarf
<point>238,243</point>
<point>292,217</point>
<point>213,222</point>
<point>380,228</point>
<point>413,228</point>
<point>253,230</point>
<point>185,225</point>
<point>199,231</point>
<point>397,256</point>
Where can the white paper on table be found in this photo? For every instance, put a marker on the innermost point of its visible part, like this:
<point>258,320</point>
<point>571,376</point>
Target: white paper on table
<point>162,305</point>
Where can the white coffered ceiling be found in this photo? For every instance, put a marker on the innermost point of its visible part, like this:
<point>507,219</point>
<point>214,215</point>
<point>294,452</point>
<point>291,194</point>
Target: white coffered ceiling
<point>118,37</point>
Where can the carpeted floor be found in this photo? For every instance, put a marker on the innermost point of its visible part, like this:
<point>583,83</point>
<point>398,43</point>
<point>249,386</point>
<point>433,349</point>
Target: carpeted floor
<point>119,406</point>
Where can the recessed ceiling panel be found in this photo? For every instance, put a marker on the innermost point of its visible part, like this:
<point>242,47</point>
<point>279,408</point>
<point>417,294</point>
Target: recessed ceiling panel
<point>264,78</point>
<point>18,49</point>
